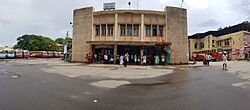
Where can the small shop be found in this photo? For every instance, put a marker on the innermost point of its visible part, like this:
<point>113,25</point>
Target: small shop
<point>103,54</point>
<point>156,54</point>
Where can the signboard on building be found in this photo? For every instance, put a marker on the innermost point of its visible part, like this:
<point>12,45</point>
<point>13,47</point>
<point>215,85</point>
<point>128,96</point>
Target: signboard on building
<point>109,6</point>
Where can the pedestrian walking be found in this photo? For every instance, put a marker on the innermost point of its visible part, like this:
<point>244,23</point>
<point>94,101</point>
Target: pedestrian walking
<point>126,59</point>
<point>208,58</point>
<point>225,61</point>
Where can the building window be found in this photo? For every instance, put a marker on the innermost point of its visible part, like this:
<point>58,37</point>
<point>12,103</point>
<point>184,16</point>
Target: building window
<point>97,30</point>
<point>213,45</point>
<point>201,45</point>
<point>136,30</point>
<point>110,30</point>
<point>195,45</point>
<point>122,29</point>
<point>148,30</point>
<point>212,41</point>
<point>154,30</point>
<point>219,43</point>
<point>104,30</point>
<point>160,31</point>
<point>129,30</point>
<point>226,42</point>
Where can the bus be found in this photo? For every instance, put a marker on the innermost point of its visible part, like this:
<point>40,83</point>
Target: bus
<point>26,53</point>
<point>10,54</point>
<point>18,54</point>
<point>3,54</point>
<point>216,55</point>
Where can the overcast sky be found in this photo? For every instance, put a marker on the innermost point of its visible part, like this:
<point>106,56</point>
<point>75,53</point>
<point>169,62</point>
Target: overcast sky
<point>52,17</point>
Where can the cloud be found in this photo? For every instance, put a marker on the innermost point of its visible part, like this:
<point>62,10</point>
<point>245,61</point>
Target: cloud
<point>52,17</point>
<point>209,23</point>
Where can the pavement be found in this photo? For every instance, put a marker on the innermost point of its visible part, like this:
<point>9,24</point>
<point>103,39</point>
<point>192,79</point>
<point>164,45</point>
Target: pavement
<point>51,84</point>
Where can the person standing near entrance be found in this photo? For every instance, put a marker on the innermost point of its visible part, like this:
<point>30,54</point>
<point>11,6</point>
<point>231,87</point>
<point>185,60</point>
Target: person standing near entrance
<point>87,58</point>
<point>105,58</point>
<point>162,59</point>
<point>126,57</point>
<point>121,60</point>
<point>144,59</point>
<point>224,61</point>
<point>135,58</point>
<point>157,60</point>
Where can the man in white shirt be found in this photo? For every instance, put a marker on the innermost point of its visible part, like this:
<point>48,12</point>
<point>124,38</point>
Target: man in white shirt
<point>224,61</point>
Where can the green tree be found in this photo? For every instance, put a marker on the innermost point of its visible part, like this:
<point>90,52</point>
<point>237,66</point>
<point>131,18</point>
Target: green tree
<point>36,43</point>
<point>59,41</point>
<point>68,41</point>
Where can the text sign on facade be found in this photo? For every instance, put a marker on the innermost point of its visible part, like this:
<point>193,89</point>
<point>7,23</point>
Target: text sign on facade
<point>109,6</point>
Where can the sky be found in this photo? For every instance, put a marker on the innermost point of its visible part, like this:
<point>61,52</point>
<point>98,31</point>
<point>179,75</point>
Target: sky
<point>52,17</point>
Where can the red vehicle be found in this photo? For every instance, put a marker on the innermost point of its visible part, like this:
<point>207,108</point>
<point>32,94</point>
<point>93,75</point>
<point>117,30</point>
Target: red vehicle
<point>61,54</point>
<point>198,56</point>
<point>39,54</point>
<point>26,53</point>
<point>50,54</point>
<point>56,55</point>
<point>216,55</point>
<point>18,54</point>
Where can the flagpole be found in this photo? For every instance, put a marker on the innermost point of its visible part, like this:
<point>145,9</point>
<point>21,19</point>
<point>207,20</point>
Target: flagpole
<point>182,3</point>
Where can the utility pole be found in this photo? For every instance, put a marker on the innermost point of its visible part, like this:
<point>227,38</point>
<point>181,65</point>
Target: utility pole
<point>129,3</point>
<point>182,3</point>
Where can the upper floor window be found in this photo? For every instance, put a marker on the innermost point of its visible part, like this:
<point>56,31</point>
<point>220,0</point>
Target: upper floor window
<point>148,30</point>
<point>104,30</point>
<point>195,45</point>
<point>202,45</point>
<point>122,29</point>
<point>97,30</point>
<point>136,30</point>
<point>154,30</point>
<point>160,31</point>
<point>227,42</point>
<point>129,30</point>
<point>110,29</point>
<point>219,43</point>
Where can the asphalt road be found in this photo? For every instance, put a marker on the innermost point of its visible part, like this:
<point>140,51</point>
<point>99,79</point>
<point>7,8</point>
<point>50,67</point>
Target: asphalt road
<point>26,87</point>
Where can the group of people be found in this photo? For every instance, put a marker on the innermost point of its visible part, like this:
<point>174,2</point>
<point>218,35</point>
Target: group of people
<point>125,59</point>
<point>207,60</point>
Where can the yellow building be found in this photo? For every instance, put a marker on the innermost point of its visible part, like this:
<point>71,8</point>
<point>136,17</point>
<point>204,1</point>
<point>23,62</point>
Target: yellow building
<point>112,33</point>
<point>235,44</point>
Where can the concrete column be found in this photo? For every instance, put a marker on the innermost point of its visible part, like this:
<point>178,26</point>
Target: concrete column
<point>116,27</point>
<point>115,53</point>
<point>142,53</point>
<point>142,28</point>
